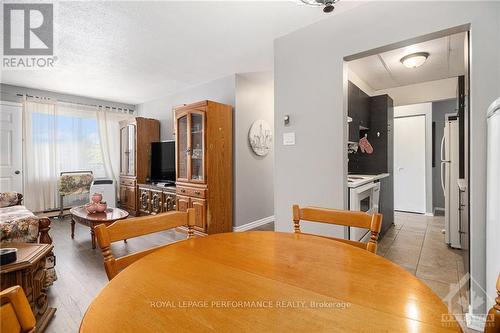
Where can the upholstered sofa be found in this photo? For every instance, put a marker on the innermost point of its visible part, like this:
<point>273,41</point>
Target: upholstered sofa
<point>18,224</point>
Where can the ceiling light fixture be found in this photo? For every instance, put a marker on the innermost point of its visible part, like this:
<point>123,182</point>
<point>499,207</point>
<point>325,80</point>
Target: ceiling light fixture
<point>414,60</point>
<point>327,3</point>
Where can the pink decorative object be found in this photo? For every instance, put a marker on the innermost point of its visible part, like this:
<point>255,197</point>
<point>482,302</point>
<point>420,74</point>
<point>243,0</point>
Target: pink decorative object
<point>101,206</point>
<point>96,197</point>
<point>91,207</point>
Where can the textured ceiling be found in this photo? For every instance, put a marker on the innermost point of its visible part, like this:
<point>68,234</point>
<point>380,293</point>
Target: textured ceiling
<point>136,51</point>
<point>385,70</point>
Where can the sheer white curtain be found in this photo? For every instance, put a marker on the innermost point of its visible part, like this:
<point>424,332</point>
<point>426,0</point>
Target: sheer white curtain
<point>109,133</point>
<point>40,162</point>
<point>66,137</point>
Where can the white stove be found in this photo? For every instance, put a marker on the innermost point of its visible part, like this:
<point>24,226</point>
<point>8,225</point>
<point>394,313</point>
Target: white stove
<point>364,193</point>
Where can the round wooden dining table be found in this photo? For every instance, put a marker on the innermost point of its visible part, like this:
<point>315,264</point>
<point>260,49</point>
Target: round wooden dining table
<point>265,282</point>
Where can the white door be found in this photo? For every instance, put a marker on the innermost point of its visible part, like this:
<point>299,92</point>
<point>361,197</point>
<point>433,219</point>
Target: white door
<point>409,164</point>
<point>11,178</point>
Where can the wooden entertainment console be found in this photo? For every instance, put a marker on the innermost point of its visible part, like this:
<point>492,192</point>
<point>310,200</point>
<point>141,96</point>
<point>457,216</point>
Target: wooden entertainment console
<point>156,199</point>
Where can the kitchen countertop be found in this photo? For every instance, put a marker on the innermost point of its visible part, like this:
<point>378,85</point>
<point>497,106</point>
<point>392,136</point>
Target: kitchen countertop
<point>365,179</point>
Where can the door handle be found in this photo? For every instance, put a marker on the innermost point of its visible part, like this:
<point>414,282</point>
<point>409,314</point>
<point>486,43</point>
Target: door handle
<point>17,172</point>
<point>442,148</point>
<point>442,177</point>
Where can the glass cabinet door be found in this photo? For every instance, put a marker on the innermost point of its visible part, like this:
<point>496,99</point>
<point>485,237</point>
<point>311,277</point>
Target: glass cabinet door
<point>182,147</point>
<point>123,150</point>
<point>197,146</point>
<point>131,150</point>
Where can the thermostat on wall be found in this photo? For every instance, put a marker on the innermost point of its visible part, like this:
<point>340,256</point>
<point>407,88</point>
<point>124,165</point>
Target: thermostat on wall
<point>289,139</point>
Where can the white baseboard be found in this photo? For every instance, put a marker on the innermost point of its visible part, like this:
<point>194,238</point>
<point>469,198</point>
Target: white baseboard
<point>475,322</point>
<point>429,214</point>
<point>254,224</point>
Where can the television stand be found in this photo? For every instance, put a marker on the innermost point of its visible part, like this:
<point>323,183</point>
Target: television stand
<point>156,198</point>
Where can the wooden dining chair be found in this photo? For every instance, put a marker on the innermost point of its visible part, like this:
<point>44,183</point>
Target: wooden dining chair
<point>493,319</point>
<point>341,217</point>
<point>15,311</point>
<point>135,227</point>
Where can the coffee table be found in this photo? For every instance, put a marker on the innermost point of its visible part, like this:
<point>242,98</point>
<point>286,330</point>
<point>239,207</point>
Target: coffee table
<point>79,214</point>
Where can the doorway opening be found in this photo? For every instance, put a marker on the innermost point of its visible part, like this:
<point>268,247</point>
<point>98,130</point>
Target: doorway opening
<point>407,127</point>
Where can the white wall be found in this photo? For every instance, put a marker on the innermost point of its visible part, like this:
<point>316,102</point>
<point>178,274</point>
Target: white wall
<point>254,183</point>
<point>424,109</point>
<point>430,91</point>
<point>252,97</point>
<point>313,92</point>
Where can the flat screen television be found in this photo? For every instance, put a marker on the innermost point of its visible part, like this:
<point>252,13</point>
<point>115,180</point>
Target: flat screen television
<point>163,162</point>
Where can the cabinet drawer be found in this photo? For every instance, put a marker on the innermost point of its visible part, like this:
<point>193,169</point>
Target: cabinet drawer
<point>197,192</point>
<point>182,190</point>
<point>192,192</point>
<point>127,181</point>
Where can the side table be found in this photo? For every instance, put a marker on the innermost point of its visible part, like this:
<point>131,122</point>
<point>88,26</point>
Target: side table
<point>28,271</point>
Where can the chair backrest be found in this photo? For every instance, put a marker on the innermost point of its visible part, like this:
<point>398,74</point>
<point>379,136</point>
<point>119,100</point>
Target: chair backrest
<point>15,311</point>
<point>493,319</point>
<point>74,182</point>
<point>341,217</point>
<point>134,227</point>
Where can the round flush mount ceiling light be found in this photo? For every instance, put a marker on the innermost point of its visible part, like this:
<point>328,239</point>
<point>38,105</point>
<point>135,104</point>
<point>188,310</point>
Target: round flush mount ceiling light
<point>328,4</point>
<point>414,60</point>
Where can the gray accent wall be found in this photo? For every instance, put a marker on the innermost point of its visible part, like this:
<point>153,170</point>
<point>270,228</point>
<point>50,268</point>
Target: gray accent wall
<point>252,98</point>
<point>221,90</point>
<point>311,84</point>
<point>439,110</point>
<point>254,183</point>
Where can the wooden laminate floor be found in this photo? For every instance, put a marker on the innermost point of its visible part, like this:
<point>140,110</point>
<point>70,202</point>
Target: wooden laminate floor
<point>415,242</point>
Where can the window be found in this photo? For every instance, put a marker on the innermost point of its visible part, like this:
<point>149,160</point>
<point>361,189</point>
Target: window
<point>76,139</point>
<point>66,137</point>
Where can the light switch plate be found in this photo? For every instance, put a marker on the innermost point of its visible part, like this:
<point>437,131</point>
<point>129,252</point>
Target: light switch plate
<point>289,139</point>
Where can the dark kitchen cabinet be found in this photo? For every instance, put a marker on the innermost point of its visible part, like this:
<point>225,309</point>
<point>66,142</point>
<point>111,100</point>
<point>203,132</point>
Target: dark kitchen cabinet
<point>359,110</point>
<point>380,134</point>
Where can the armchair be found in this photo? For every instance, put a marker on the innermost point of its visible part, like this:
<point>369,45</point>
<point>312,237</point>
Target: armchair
<point>18,224</point>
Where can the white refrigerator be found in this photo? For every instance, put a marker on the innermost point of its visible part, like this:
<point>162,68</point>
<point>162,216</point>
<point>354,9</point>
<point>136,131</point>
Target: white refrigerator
<point>449,182</point>
<point>493,202</point>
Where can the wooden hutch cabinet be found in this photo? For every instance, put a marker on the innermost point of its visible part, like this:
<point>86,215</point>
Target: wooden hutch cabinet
<point>204,164</point>
<point>136,136</point>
